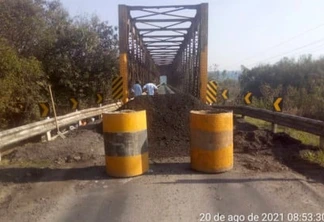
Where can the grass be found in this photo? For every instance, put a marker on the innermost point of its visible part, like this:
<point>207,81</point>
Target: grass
<point>312,156</point>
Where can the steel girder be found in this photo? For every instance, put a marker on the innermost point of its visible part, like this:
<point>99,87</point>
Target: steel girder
<point>165,40</point>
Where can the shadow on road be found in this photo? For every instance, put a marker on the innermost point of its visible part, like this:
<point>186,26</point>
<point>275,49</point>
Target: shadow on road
<point>288,152</point>
<point>32,175</point>
<point>229,180</point>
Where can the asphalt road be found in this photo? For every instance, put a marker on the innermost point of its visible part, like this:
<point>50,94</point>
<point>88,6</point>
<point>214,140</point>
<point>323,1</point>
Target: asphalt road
<point>172,192</point>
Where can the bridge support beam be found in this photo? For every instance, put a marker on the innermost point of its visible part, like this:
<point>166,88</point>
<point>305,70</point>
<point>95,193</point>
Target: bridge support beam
<point>204,51</point>
<point>123,47</point>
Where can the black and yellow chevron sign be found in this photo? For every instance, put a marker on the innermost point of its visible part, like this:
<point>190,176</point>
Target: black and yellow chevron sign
<point>225,94</point>
<point>211,91</point>
<point>99,98</point>
<point>248,98</point>
<point>277,104</point>
<point>117,87</point>
<point>74,103</point>
<point>44,109</point>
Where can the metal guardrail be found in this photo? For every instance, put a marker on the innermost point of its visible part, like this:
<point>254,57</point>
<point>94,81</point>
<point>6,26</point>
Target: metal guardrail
<point>312,126</point>
<point>17,134</point>
<point>20,133</point>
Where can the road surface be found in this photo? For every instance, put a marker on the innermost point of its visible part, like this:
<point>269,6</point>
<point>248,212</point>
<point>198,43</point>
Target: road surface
<point>169,192</point>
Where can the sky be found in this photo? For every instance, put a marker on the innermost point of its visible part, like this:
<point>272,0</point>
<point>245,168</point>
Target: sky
<point>240,32</point>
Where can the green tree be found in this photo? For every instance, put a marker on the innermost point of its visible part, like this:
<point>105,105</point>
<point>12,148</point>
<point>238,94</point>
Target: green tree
<point>22,84</point>
<point>83,59</point>
<point>40,43</point>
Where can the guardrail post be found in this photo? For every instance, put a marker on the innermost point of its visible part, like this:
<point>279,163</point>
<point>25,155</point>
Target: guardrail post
<point>80,121</point>
<point>321,143</point>
<point>47,137</point>
<point>48,134</point>
<point>274,127</point>
<point>100,116</point>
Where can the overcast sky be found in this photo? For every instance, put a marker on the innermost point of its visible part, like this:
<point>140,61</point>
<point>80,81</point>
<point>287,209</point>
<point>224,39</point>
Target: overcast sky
<point>241,32</point>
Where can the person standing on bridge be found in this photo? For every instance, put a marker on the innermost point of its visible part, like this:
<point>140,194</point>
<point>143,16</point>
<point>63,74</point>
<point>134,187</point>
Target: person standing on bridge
<point>137,89</point>
<point>150,89</point>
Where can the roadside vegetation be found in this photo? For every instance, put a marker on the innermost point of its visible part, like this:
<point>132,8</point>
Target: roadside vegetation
<point>41,45</point>
<point>299,82</point>
<point>301,85</point>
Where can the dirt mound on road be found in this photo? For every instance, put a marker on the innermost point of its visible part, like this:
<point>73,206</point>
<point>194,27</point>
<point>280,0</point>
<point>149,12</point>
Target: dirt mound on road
<point>167,122</point>
<point>262,150</point>
<point>79,145</point>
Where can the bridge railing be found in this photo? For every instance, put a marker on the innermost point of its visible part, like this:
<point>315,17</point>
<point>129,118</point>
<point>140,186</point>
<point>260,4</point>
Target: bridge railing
<point>312,126</point>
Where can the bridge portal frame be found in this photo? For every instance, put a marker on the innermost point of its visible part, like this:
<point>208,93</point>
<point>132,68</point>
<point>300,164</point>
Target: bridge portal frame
<point>183,55</point>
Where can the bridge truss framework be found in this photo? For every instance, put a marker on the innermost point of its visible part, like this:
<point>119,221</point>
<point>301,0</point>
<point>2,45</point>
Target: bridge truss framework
<point>164,40</point>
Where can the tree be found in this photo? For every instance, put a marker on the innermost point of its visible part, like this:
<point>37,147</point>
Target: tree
<point>83,58</point>
<point>22,84</point>
<point>42,44</point>
<point>300,82</point>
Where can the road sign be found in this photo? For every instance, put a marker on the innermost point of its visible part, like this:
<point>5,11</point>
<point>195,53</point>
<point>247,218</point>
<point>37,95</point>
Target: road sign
<point>225,94</point>
<point>99,98</point>
<point>44,109</point>
<point>117,87</point>
<point>248,98</point>
<point>277,104</point>
<point>211,91</point>
<point>74,103</point>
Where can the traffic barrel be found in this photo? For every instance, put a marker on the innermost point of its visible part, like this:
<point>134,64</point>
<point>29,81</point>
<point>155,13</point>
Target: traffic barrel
<point>211,140</point>
<point>125,141</point>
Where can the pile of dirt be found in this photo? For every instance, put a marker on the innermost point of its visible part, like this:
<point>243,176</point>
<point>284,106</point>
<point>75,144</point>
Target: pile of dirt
<point>79,145</point>
<point>263,150</point>
<point>167,122</point>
